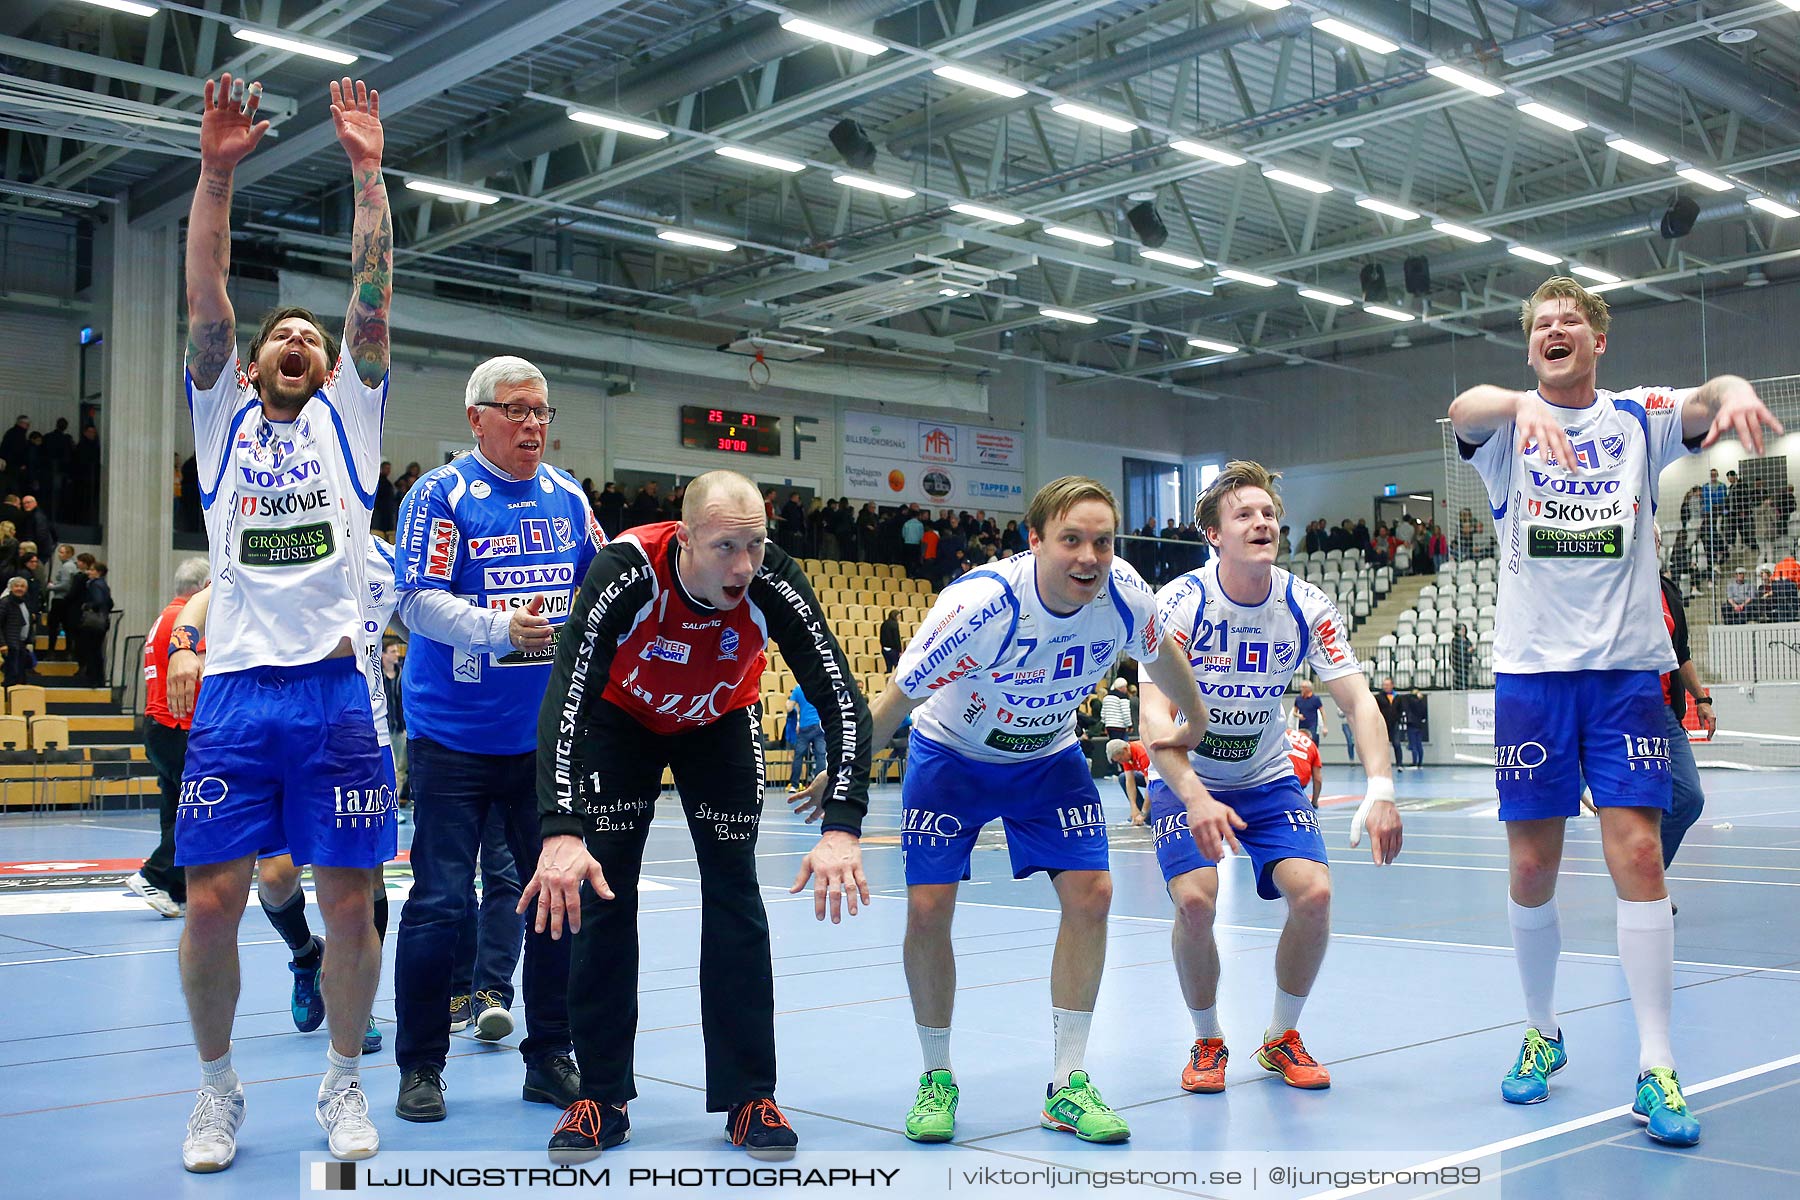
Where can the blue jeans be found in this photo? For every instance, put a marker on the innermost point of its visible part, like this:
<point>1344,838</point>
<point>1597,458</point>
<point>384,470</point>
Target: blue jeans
<point>453,793</point>
<point>487,944</point>
<point>1686,799</point>
<point>809,742</point>
<point>1415,742</point>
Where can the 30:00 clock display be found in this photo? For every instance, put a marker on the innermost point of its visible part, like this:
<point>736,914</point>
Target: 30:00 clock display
<point>732,431</point>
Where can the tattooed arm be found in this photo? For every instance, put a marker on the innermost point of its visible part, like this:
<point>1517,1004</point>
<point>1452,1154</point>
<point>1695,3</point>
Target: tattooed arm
<point>356,111</point>
<point>229,130</point>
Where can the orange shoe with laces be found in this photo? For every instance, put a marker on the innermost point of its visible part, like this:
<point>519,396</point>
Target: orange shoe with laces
<point>1205,1070</point>
<point>1287,1057</point>
<point>758,1126</point>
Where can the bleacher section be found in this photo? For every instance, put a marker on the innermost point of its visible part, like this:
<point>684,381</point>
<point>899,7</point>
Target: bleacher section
<point>857,598</point>
<point>1419,651</point>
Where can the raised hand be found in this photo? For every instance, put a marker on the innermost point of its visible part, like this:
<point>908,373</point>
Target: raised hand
<point>229,129</point>
<point>1537,423</point>
<point>356,113</point>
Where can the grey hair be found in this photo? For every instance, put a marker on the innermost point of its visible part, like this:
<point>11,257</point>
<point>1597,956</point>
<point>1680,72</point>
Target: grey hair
<point>18,579</point>
<point>486,378</point>
<point>1115,748</point>
<point>191,575</point>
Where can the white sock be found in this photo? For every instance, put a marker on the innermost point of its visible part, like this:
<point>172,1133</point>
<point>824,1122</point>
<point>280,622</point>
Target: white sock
<point>1070,1030</point>
<point>343,1070</point>
<point>1206,1022</point>
<point>218,1074</point>
<point>1537,944</point>
<point>934,1044</point>
<point>1647,955</point>
<point>1287,1014</point>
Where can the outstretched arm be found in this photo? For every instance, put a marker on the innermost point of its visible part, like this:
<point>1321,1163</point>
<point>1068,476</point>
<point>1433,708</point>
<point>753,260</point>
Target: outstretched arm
<point>356,112</point>
<point>1727,404</point>
<point>229,130</point>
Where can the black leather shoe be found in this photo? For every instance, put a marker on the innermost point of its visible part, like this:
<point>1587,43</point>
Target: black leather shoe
<point>553,1080</point>
<point>421,1094</point>
<point>588,1128</point>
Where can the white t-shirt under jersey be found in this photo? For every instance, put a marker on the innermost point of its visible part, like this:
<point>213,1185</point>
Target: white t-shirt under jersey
<point>1578,569</point>
<point>1004,674</point>
<point>1244,656</point>
<point>287,517</point>
<point>378,610</point>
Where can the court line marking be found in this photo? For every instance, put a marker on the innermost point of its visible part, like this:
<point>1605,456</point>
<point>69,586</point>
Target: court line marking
<point>1553,1131</point>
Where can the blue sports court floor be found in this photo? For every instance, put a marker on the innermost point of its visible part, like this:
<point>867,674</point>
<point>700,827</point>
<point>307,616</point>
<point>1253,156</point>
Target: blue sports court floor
<point>1416,1012</point>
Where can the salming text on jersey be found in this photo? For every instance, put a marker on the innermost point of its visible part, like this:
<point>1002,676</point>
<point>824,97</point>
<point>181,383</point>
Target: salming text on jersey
<point>1004,673</point>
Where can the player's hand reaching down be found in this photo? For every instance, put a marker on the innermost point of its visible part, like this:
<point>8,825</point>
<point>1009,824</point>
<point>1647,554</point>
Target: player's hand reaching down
<point>562,866</point>
<point>1381,819</point>
<point>1743,415</point>
<point>835,868</point>
<point>1538,424</point>
<point>809,801</point>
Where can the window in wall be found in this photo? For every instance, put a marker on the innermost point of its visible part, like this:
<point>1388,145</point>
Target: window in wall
<point>1152,493</point>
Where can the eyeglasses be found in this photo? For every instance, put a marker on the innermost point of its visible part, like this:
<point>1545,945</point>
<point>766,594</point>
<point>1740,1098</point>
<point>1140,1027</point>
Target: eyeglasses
<point>516,413</point>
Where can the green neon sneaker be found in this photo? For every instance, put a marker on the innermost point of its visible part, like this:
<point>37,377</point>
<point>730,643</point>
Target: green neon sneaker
<point>1078,1109</point>
<point>1662,1111</point>
<point>933,1115</point>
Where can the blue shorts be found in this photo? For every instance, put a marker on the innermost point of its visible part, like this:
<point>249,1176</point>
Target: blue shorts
<point>1051,810</point>
<point>387,760</point>
<point>1279,823</point>
<point>1553,730</point>
<point>286,757</point>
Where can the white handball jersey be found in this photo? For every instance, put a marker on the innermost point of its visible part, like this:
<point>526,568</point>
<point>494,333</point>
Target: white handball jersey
<point>1578,570</point>
<point>287,517</point>
<point>378,610</point>
<point>1003,675</point>
<point>1244,656</point>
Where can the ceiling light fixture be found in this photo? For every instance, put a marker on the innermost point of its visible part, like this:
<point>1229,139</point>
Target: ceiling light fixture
<point>880,186</point>
<point>1536,256</point>
<point>1386,209</point>
<point>1356,37</point>
<point>124,6</point>
<point>1316,187</point>
<point>1773,207</point>
<point>618,124</point>
<point>450,191</point>
<point>696,239</point>
<point>1202,150</point>
<point>759,158</point>
<point>342,58</point>
<point>1326,297</point>
<point>1200,343</point>
<point>1392,314</point>
<point>1063,314</point>
<point>1465,80</point>
<point>976,79</point>
<point>1639,152</point>
<point>1077,235</point>
<point>1551,116</point>
<point>1594,273</point>
<point>1261,281</point>
<point>1093,116</point>
<point>837,37</point>
<point>987,214</point>
<point>1173,260</point>
<point>1695,175</point>
<point>1460,231</point>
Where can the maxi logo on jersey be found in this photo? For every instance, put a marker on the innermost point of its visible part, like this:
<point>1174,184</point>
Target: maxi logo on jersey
<point>949,645</point>
<point>440,554</point>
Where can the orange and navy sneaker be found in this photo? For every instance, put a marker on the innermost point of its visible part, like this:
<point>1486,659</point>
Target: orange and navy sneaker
<point>1205,1070</point>
<point>586,1129</point>
<point>1287,1057</point>
<point>758,1126</point>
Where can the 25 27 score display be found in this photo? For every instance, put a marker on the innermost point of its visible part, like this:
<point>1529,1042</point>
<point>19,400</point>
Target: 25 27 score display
<point>730,430</point>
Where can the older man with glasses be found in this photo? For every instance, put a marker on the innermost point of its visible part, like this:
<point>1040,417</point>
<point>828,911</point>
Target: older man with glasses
<point>492,546</point>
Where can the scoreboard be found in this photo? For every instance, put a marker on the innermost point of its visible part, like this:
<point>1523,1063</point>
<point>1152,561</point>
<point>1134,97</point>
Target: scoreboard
<point>730,430</point>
